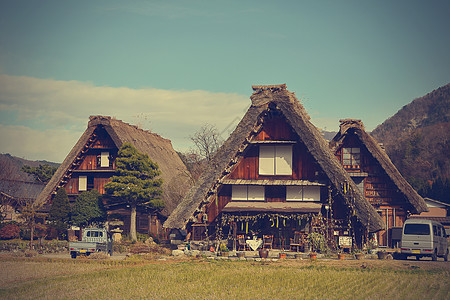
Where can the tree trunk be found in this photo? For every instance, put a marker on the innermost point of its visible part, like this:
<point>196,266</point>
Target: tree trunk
<point>32,234</point>
<point>133,223</point>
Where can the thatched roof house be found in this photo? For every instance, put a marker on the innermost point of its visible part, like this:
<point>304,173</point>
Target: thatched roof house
<point>353,127</point>
<point>101,141</point>
<point>377,177</point>
<point>266,100</point>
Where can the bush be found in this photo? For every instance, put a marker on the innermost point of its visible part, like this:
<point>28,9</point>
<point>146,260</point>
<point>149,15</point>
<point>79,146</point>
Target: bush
<point>10,231</point>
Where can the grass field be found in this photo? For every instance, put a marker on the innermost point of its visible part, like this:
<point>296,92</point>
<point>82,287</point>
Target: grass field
<point>35,278</point>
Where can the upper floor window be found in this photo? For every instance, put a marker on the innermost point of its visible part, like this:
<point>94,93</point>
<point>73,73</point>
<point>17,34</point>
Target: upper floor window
<point>104,160</point>
<point>303,193</point>
<point>82,183</point>
<point>351,157</point>
<point>247,193</point>
<point>275,160</point>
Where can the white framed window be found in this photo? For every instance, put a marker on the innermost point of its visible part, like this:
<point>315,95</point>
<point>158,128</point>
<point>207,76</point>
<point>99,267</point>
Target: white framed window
<point>82,183</point>
<point>104,160</point>
<point>303,193</point>
<point>351,156</point>
<point>275,160</point>
<point>247,193</point>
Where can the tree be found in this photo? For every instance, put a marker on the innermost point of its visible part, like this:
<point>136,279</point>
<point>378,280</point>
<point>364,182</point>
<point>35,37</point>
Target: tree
<point>59,213</point>
<point>88,209</point>
<point>135,183</point>
<point>30,212</point>
<point>207,141</point>
<point>43,173</point>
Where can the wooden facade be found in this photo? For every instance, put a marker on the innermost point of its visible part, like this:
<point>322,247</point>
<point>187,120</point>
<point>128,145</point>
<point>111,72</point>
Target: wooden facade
<point>371,170</point>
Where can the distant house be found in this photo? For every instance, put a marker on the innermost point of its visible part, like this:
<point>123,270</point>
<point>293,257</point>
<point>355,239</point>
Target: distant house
<point>437,211</point>
<point>14,194</point>
<point>275,176</point>
<point>91,163</point>
<point>376,177</point>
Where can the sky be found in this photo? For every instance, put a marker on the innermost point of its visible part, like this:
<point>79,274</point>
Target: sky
<point>173,66</point>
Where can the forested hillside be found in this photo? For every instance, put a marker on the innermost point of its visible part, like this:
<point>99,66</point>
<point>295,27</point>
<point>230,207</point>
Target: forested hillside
<point>416,139</point>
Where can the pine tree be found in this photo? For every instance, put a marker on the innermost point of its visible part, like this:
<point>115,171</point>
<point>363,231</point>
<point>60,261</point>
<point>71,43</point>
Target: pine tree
<point>88,209</point>
<point>135,183</point>
<point>59,214</point>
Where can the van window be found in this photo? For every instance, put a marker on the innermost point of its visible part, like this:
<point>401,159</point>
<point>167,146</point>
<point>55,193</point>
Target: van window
<point>435,231</point>
<point>417,229</point>
<point>88,234</point>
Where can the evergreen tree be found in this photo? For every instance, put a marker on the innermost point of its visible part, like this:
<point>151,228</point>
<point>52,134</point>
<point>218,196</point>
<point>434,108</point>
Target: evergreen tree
<point>135,183</point>
<point>88,209</point>
<point>59,214</point>
<point>43,173</point>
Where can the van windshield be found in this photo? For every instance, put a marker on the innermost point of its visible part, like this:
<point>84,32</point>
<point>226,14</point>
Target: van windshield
<point>418,229</point>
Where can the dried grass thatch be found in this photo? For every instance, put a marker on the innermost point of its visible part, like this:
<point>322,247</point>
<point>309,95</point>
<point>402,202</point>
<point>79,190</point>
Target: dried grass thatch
<point>173,171</point>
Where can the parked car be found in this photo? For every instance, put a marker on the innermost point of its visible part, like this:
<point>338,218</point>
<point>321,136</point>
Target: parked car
<point>422,238</point>
<point>93,240</point>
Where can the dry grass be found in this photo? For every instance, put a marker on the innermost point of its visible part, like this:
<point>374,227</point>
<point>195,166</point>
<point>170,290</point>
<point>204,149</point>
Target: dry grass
<point>202,279</point>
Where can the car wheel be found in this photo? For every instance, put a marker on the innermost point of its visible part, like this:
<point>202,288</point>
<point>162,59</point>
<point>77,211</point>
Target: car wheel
<point>73,254</point>
<point>434,256</point>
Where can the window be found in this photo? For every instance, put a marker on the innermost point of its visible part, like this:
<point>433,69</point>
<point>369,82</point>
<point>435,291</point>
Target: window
<point>104,160</point>
<point>275,160</point>
<point>303,193</point>
<point>417,229</point>
<point>247,193</point>
<point>82,183</point>
<point>351,157</point>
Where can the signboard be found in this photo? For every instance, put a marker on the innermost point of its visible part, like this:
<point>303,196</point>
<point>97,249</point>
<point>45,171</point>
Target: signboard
<point>345,241</point>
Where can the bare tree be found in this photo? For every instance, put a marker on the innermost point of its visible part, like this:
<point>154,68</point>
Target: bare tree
<point>207,141</point>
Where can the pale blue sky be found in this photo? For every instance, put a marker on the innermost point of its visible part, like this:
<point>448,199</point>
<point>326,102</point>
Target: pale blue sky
<point>156,62</point>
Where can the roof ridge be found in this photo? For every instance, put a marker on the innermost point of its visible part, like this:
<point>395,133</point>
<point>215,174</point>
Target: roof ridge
<point>108,120</point>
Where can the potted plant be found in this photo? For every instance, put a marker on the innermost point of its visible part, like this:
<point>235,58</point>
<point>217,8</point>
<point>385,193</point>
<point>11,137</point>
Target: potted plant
<point>341,255</point>
<point>223,249</point>
<point>240,254</point>
<point>359,254</point>
<point>313,255</point>
<point>382,254</point>
<point>263,253</point>
<point>282,255</point>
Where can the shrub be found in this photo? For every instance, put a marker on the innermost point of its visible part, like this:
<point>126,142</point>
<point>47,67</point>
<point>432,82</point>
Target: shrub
<point>10,231</point>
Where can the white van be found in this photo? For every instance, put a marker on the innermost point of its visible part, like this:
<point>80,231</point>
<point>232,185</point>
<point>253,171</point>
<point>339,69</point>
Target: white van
<point>424,238</point>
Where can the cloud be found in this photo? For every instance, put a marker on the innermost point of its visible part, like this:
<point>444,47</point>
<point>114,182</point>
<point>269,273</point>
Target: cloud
<point>52,145</point>
<point>59,110</point>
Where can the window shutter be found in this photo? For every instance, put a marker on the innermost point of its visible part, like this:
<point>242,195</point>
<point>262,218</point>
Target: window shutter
<point>255,193</point>
<point>283,160</point>
<point>311,193</point>
<point>294,193</point>
<point>82,183</point>
<point>104,160</point>
<point>266,160</point>
<point>239,193</point>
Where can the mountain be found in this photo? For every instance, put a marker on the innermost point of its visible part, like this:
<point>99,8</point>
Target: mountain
<point>10,167</point>
<point>416,139</point>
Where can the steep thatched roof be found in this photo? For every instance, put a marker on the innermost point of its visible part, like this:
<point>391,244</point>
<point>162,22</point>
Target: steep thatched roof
<point>352,126</point>
<point>296,116</point>
<point>20,191</point>
<point>173,171</point>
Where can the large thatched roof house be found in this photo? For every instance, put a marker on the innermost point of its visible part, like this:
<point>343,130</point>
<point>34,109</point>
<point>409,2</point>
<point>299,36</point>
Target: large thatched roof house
<point>90,164</point>
<point>376,176</point>
<point>274,175</point>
